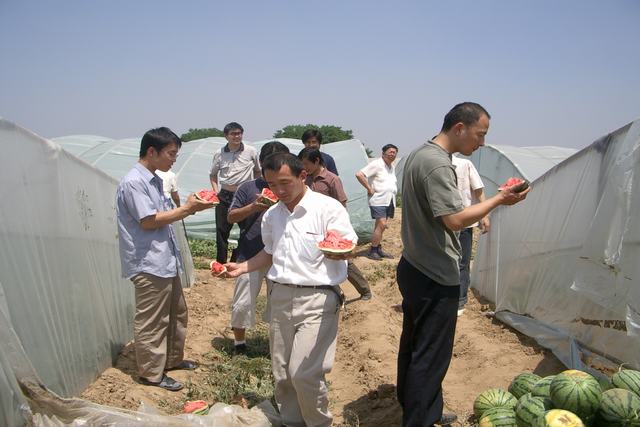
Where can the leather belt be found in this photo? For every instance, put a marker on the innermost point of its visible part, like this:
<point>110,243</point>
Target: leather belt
<point>291,285</point>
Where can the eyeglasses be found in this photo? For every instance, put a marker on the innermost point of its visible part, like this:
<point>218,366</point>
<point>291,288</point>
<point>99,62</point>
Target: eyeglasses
<point>236,133</point>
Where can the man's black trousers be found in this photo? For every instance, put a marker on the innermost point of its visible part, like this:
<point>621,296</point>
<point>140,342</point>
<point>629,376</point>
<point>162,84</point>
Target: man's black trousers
<point>426,345</point>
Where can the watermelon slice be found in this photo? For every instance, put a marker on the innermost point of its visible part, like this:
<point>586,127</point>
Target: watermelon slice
<point>217,269</point>
<point>333,243</point>
<point>268,198</point>
<point>521,184</point>
<point>197,407</point>
<point>208,196</point>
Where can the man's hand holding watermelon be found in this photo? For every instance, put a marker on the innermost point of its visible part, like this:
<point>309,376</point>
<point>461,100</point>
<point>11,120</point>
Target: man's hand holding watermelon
<point>195,204</point>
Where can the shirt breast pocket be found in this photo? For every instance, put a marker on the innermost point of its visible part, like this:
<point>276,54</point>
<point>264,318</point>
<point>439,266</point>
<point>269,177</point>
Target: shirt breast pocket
<point>309,248</point>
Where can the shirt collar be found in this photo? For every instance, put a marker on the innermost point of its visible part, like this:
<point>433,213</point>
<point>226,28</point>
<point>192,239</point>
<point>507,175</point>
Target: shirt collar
<point>304,203</point>
<point>227,150</point>
<point>321,175</point>
<point>146,173</point>
<point>437,145</point>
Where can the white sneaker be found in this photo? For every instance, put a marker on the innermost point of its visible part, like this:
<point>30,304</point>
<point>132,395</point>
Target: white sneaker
<point>460,312</point>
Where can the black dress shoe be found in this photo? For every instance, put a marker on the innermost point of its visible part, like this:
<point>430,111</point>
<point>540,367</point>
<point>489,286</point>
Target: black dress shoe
<point>185,365</point>
<point>447,419</point>
<point>166,383</point>
<point>240,349</point>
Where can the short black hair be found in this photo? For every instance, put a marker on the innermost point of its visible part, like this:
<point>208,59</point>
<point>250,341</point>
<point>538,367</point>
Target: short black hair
<point>276,161</point>
<point>232,126</point>
<point>158,138</point>
<point>386,147</point>
<point>311,154</point>
<point>466,112</point>
<point>270,148</point>
<point>311,133</point>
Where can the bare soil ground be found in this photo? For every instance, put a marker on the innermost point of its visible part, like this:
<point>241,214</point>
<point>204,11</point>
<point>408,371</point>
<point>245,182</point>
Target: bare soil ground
<point>486,353</point>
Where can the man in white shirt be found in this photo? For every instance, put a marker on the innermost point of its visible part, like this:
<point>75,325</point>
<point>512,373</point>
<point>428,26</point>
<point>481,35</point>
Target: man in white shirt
<point>472,191</point>
<point>379,179</point>
<point>305,297</point>
<point>170,186</point>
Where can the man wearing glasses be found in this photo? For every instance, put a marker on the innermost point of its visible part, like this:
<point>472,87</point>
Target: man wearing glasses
<point>234,164</point>
<point>150,258</point>
<point>379,179</point>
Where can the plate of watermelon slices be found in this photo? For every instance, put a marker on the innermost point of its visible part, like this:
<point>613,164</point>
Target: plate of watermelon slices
<point>208,196</point>
<point>335,244</point>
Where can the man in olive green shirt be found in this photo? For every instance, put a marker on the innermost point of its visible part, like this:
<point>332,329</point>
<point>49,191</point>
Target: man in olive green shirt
<point>428,273</point>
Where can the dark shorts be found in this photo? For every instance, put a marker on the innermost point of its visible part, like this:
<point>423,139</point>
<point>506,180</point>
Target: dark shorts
<point>382,211</point>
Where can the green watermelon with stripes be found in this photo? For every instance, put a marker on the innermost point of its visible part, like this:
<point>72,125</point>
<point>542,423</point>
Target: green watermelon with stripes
<point>576,391</point>
<point>498,417</point>
<point>541,389</point>
<point>529,407</point>
<point>493,398</point>
<point>627,379</point>
<point>558,418</point>
<point>523,384</point>
<point>619,408</point>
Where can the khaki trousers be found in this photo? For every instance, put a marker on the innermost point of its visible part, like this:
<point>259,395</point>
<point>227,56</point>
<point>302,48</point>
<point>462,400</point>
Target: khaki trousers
<point>302,339</point>
<point>160,324</point>
<point>245,295</point>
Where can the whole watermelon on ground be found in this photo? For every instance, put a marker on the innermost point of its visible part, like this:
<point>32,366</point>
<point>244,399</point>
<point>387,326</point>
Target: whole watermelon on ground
<point>523,384</point>
<point>530,407</point>
<point>498,417</point>
<point>493,398</point>
<point>558,418</point>
<point>576,391</point>
<point>618,408</point>
<point>541,389</point>
<point>627,379</point>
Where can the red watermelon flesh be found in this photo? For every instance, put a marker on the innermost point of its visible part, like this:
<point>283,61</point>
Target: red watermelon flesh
<point>520,183</point>
<point>335,243</point>
<point>208,196</point>
<point>268,197</point>
<point>195,406</point>
<point>217,268</point>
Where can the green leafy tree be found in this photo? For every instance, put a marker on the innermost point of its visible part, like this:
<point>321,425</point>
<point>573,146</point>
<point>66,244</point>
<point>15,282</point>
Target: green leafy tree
<point>200,133</point>
<point>369,152</point>
<point>329,133</point>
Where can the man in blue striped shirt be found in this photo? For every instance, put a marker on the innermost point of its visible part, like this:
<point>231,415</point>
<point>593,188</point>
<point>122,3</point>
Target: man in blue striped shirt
<point>150,258</point>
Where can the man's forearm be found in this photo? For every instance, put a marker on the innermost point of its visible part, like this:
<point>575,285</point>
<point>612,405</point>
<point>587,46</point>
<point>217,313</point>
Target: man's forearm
<point>259,262</point>
<point>471,214</point>
<point>239,214</point>
<point>214,183</point>
<point>164,218</point>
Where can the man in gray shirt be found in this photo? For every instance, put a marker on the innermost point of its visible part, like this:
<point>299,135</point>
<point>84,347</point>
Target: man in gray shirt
<point>234,164</point>
<point>432,215</point>
<point>150,258</point>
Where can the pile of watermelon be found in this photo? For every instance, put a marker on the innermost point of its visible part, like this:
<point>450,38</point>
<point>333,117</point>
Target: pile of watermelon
<point>570,399</point>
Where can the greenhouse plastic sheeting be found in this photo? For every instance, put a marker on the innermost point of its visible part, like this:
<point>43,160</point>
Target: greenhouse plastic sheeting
<point>116,157</point>
<point>61,288</point>
<point>568,255</point>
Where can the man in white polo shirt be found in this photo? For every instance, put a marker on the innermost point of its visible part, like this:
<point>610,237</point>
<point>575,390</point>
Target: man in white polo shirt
<point>233,164</point>
<point>472,191</point>
<point>379,179</point>
<point>305,297</point>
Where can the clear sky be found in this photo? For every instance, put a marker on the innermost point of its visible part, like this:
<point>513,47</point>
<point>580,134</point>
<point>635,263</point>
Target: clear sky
<point>550,72</point>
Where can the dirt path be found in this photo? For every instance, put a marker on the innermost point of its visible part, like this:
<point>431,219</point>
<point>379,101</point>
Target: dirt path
<point>486,353</point>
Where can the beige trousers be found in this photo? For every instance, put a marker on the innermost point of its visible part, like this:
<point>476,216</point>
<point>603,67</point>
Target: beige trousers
<point>160,324</point>
<point>302,339</point>
<point>245,295</point>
